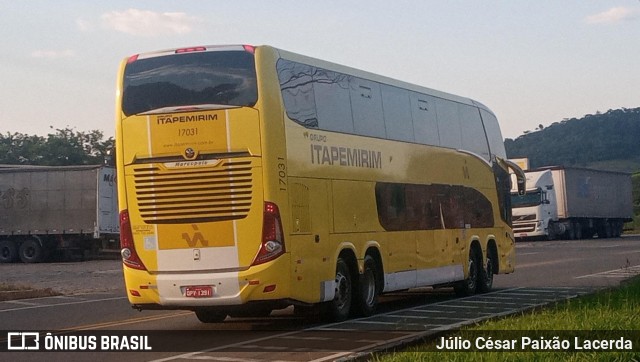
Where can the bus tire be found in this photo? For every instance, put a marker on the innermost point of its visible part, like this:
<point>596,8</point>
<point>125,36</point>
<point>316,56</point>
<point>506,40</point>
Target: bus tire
<point>340,307</point>
<point>367,294</point>
<point>485,281</point>
<point>8,251</point>
<point>210,315</point>
<point>467,287</point>
<point>31,251</point>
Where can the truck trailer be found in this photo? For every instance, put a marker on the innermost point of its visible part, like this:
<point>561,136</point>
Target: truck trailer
<point>44,210</point>
<point>572,203</point>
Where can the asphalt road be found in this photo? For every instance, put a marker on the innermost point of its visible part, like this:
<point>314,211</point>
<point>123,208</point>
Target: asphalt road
<point>558,268</point>
<point>591,263</point>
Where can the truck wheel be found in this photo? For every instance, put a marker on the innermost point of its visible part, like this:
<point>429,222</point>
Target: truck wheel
<point>551,231</point>
<point>608,230</point>
<point>468,286</point>
<point>8,251</point>
<point>618,228</point>
<point>31,251</point>
<point>578,231</point>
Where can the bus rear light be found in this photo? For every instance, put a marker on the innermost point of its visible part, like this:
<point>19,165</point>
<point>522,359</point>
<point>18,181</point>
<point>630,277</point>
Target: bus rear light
<point>132,58</point>
<point>189,50</point>
<point>134,292</point>
<point>269,288</point>
<point>249,49</point>
<point>128,249</point>
<point>272,245</point>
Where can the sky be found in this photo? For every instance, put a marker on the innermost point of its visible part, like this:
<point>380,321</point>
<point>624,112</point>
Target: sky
<point>532,62</point>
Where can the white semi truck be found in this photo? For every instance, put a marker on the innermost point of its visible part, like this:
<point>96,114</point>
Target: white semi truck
<point>63,208</point>
<point>572,203</point>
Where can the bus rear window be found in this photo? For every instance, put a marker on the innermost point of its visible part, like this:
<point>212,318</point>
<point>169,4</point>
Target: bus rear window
<point>189,79</point>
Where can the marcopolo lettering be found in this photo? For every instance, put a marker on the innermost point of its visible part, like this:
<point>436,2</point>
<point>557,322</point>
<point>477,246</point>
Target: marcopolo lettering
<point>345,156</point>
<point>183,119</point>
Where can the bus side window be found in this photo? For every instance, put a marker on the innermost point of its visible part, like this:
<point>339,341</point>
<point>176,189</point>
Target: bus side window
<point>449,124</point>
<point>366,103</point>
<point>425,125</point>
<point>297,92</point>
<point>397,113</point>
<point>473,136</point>
<point>333,104</point>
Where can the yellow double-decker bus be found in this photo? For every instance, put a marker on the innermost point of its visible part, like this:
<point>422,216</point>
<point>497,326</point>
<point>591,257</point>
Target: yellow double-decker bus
<point>251,178</point>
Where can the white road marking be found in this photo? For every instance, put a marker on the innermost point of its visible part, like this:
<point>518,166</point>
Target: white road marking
<point>83,301</point>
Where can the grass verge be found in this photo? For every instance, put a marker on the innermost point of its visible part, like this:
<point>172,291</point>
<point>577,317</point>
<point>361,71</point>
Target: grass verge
<point>610,310</point>
<point>13,292</point>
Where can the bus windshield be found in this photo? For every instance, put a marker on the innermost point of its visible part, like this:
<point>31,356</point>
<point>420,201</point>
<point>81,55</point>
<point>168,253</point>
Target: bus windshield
<point>531,198</point>
<point>190,79</point>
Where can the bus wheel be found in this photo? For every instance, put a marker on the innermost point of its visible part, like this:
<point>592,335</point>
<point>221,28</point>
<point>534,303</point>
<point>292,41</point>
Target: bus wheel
<point>367,297</point>
<point>340,306</point>
<point>31,251</point>
<point>210,315</point>
<point>468,286</point>
<point>485,281</point>
<point>8,251</point>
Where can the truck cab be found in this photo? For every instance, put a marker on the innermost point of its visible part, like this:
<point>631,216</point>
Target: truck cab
<point>536,210</point>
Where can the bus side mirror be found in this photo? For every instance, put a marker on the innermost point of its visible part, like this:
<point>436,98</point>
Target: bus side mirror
<point>520,176</point>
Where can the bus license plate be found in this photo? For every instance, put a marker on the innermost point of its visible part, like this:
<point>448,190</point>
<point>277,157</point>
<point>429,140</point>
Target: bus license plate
<point>203,291</point>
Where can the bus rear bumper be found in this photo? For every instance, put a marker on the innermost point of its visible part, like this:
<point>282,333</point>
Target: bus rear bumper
<point>173,290</point>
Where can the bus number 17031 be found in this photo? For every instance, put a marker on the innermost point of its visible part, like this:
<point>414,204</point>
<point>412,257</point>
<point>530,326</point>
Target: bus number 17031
<point>187,132</point>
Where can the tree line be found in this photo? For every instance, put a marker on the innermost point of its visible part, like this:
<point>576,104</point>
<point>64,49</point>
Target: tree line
<point>594,138</point>
<point>63,147</point>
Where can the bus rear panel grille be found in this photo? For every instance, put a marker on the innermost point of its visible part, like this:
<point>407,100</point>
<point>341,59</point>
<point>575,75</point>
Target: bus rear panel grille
<point>166,196</point>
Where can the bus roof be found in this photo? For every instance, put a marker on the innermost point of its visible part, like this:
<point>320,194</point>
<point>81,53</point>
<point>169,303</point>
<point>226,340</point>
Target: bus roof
<point>323,64</point>
<point>377,78</point>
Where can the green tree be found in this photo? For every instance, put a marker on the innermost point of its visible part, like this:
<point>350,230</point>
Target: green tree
<point>62,148</point>
<point>612,135</point>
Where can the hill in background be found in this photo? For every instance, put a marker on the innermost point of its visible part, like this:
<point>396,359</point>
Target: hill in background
<point>606,141</point>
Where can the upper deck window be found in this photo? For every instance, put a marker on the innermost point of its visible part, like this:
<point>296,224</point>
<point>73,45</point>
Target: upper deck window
<point>189,79</point>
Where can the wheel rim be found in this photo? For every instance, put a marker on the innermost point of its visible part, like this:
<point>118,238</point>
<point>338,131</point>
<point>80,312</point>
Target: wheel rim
<point>30,252</point>
<point>370,284</point>
<point>473,274</point>
<point>342,290</point>
<point>489,273</point>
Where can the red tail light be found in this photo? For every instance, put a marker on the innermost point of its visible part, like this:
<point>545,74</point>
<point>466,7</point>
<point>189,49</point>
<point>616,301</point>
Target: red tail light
<point>128,249</point>
<point>192,49</point>
<point>132,58</point>
<point>272,236</point>
<point>249,49</point>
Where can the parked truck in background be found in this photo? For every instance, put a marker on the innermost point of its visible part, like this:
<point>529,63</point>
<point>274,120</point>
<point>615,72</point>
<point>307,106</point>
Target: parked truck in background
<point>44,210</point>
<point>572,203</point>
